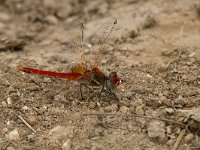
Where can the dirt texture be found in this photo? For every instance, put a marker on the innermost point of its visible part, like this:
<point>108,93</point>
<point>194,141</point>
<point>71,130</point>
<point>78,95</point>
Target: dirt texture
<point>154,48</point>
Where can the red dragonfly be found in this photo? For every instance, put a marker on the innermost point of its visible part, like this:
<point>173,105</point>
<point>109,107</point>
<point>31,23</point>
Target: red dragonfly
<point>85,75</point>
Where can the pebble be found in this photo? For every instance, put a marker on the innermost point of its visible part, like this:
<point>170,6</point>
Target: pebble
<point>172,136</point>
<point>112,108</point>
<point>124,109</point>
<point>87,51</point>
<point>51,19</point>
<point>171,142</point>
<point>157,130</point>
<point>31,137</point>
<point>177,130</point>
<point>142,122</point>
<point>181,101</point>
<point>25,108</point>
<point>189,137</point>
<point>92,105</point>
<point>64,13</point>
<point>139,110</point>
<point>4,130</point>
<point>10,148</point>
<point>4,104</point>
<point>67,145</point>
<point>169,130</point>
<point>169,110</point>
<point>13,135</point>
<point>149,22</point>
<point>9,101</point>
<point>31,119</point>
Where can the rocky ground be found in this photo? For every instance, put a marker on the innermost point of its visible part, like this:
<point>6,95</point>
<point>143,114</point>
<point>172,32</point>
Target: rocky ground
<point>154,48</point>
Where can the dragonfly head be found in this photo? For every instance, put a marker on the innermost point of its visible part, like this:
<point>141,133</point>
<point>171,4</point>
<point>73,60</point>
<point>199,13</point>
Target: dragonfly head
<point>114,79</point>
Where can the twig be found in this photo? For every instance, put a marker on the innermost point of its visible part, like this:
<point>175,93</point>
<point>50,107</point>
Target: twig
<point>180,137</point>
<point>132,115</point>
<point>26,123</point>
<point>90,97</point>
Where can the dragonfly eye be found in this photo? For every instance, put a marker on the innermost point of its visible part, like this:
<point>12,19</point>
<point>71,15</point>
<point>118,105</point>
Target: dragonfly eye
<point>114,79</point>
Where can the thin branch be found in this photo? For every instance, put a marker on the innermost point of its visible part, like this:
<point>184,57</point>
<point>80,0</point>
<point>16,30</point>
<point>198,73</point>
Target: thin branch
<point>26,123</point>
<point>180,137</point>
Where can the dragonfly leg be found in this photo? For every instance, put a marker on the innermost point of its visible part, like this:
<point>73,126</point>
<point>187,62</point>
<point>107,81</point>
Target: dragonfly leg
<point>81,85</point>
<point>102,88</point>
<point>111,92</point>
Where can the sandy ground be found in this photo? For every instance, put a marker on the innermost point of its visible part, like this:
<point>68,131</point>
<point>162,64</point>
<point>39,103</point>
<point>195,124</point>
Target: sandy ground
<point>154,48</point>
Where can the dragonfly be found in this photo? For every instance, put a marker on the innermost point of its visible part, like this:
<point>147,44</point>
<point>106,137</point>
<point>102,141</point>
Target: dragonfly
<point>86,75</point>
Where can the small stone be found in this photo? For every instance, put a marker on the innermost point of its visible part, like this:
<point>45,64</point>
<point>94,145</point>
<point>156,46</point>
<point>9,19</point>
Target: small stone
<point>169,110</point>
<point>4,130</point>
<point>51,19</point>
<point>177,130</point>
<point>87,51</point>
<point>181,101</point>
<point>31,119</point>
<point>171,142</point>
<point>10,148</point>
<point>13,135</point>
<point>142,122</point>
<point>9,101</point>
<point>31,138</point>
<point>169,130</point>
<point>114,107</point>
<point>92,105</point>
<point>149,22</point>
<point>172,136</point>
<point>107,109</point>
<point>157,130</point>
<point>67,145</point>
<point>64,13</point>
<point>189,137</point>
<point>47,80</point>
<point>139,110</point>
<point>25,108</point>
<point>4,104</point>
<point>134,33</point>
<point>124,109</point>
<point>8,124</point>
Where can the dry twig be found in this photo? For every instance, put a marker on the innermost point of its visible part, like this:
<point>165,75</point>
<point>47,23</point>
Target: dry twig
<point>25,122</point>
<point>180,137</point>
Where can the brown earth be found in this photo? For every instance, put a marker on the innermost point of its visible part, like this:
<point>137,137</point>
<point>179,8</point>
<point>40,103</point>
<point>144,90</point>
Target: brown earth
<point>154,48</point>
